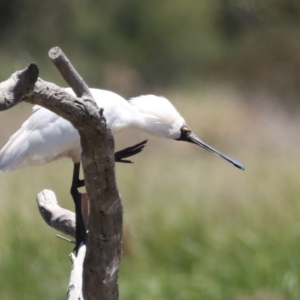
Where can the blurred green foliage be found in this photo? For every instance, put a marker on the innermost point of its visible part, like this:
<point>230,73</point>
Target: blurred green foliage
<point>133,46</point>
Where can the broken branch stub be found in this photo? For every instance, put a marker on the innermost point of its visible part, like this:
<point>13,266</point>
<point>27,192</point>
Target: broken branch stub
<point>55,216</point>
<point>69,73</point>
<point>18,86</point>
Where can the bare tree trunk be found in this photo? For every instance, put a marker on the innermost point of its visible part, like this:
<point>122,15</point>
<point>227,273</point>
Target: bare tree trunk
<point>104,244</point>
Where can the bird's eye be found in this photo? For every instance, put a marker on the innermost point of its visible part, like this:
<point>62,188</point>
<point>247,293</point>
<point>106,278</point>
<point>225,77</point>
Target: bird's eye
<point>185,129</point>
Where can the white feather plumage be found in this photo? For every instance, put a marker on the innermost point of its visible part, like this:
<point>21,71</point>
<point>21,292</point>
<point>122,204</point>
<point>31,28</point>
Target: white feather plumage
<point>45,136</point>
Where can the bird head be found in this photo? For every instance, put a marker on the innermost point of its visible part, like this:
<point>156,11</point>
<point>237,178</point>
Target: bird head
<point>159,116</point>
<point>161,119</point>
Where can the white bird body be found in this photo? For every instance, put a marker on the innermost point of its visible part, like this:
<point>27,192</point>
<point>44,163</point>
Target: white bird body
<point>45,136</point>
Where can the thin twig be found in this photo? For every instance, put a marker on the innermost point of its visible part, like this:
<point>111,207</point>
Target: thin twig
<point>65,239</point>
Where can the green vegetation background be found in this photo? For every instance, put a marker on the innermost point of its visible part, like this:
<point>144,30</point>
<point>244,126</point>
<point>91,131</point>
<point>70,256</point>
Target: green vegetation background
<point>195,227</point>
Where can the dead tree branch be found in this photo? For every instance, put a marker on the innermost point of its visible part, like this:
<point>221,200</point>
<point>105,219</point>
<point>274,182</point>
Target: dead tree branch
<point>74,291</point>
<point>69,73</point>
<point>55,216</point>
<point>104,245</point>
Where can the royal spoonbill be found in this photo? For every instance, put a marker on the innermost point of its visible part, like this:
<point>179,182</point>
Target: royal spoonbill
<point>45,136</point>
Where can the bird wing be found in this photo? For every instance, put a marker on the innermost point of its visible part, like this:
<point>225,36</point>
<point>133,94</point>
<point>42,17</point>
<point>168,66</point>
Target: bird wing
<point>45,136</point>
<point>42,138</point>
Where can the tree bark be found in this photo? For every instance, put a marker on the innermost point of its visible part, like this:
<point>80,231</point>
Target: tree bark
<point>55,216</point>
<point>104,244</point>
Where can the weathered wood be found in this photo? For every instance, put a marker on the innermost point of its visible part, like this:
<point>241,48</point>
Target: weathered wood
<point>17,86</point>
<point>55,216</point>
<point>74,291</point>
<point>104,245</point>
<point>69,73</point>
<point>105,220</point>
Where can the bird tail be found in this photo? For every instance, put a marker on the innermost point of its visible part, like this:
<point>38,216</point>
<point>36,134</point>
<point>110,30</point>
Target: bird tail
<point>10,155</point>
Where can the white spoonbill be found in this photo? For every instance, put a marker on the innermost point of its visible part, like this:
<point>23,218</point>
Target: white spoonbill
<point>45,136</point>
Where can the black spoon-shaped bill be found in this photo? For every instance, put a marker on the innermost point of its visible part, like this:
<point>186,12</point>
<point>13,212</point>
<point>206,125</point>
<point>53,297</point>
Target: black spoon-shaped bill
<point>188,136</point>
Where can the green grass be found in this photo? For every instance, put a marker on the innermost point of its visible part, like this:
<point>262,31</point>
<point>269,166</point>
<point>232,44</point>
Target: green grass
<point>195,227</point>
<point>216,241</point>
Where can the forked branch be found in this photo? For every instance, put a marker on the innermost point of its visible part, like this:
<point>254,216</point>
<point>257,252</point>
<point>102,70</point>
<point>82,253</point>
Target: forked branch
<point>104,246</point>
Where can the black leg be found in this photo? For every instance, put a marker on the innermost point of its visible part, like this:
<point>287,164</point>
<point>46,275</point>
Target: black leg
<point>119,157</point>
<point>80,227</point>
